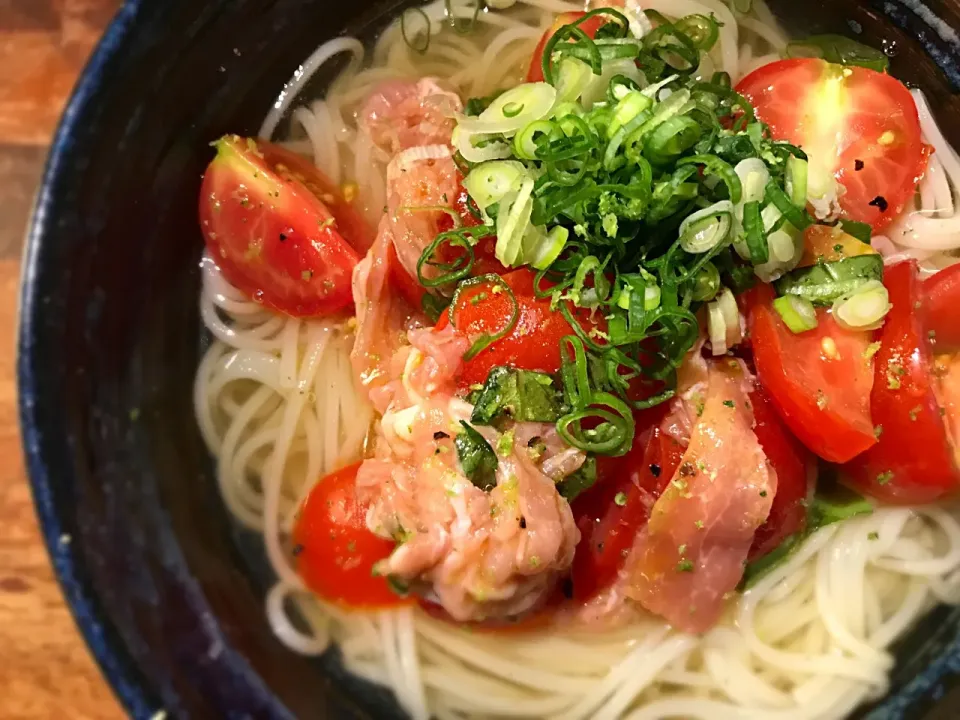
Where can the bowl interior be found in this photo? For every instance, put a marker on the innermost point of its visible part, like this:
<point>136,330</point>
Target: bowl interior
<point>169,592</point>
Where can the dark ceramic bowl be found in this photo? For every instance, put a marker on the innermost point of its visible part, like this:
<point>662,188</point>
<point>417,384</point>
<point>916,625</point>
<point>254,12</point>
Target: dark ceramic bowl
<point>167,591</point>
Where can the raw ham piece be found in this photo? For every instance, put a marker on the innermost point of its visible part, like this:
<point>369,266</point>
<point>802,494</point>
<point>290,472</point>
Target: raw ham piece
<point>692,552</point>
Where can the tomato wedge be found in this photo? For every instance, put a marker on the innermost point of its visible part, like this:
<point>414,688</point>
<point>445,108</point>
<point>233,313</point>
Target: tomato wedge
<point>532,344</point>
<point>855,124</point>
<point>941,308</point>
<point>334,549</point>
<point>279,230</point>
<point>612,512</point>
<point>913,461</point>
<point>795,468</point>
<point>590,27</point>
<point>819,380</point>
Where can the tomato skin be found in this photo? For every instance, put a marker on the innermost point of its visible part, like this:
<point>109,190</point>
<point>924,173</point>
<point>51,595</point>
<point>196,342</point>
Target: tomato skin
<point>913,461</point>
<point>824,399</point>
<point>838,115</point>
<point>532,344</point>
<point>278,229</point>
<point>795,468</point>
<point>607,529</point>
<point>941,300</point>
<point>336,550</point>
<point>590,27</point>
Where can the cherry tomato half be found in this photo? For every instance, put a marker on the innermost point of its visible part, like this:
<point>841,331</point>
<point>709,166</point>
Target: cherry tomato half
<point>280,231</point>
<point>941,308</point>
<point>794,466</point>
<point>533,343</point>
<point>855,124</point>
<point>818,380</point>
<point>612,512</point>
<point>913,460</point>
<point>335,550</point>
<point>590,27</point>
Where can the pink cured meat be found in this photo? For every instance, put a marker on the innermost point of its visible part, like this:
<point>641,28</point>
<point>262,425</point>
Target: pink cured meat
<point>692,552</point>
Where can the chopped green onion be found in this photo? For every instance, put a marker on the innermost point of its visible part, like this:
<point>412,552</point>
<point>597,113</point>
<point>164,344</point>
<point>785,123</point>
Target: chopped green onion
<point>707,283</point>
<point>671,139</point>
<point>723,322</point>
<point>512,222</point>
<point>417,39</point>
<point>703,31</point>
<point>514,109</point>
<point>795,181</point>
<point>573,77</point>
<point>863,309</point>
<point>525,141</point>
<point>753,229</point>
<point>797,313</point>
<point>626,110</point>
<point>796,216</point>
<point>489,182</point>
<point>705,229</point>
<point>548,250</point>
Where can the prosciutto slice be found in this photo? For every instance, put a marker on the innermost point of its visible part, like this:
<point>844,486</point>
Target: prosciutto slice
<point>692,552</point>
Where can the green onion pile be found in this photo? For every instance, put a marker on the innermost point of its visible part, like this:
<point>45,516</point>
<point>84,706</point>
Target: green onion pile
<point>638,191</point>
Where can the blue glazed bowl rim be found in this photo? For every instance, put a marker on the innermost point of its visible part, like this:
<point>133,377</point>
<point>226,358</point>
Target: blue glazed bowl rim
<point>109,652</point>
<point>98,630</point>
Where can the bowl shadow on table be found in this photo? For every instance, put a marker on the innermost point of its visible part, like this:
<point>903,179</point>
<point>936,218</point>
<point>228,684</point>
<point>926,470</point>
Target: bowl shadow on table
<point>168,591</point>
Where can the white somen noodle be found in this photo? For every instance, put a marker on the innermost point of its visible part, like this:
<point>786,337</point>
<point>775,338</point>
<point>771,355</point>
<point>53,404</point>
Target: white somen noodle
<point>277,405</point>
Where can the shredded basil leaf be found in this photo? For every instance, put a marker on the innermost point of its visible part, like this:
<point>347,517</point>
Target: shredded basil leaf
<point>520,395</point>
<point>477,459</point>
<point>581,480</point>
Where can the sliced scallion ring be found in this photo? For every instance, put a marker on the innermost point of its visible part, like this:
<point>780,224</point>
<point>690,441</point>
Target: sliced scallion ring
<point>547,248</point>
<point>479,148</point>
<point>702,30</point>
<point>707,283</point>
<point>573,77</point>
<point>489,182</point>
<point>705,229</point>
<point>797,313</point>
<point>512,222</point>
<point>512,110</point>
<point>753,230</point>
<point>632,104</point>
<point>795,181</point>
<point>864,309</point>
<point>524,142</point>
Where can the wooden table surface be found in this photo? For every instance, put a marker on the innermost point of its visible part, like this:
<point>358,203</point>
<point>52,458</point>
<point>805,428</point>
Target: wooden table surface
<point>45,668</point>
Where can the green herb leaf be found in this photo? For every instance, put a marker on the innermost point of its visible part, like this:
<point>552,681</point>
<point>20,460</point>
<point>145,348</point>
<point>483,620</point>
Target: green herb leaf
<point>579,481</point>
<point>521,395</point>
<point>477,459</point>
<point>823,283</point>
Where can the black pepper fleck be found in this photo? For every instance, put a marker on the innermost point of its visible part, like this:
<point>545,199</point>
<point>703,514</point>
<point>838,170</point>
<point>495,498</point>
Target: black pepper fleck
<point>297,549</point>
<point>523,522</point>
<point>858,165</point>
<point>655,470</point>
<point>880,202</point>
<point>566,587</point>
<point>283,237</point>
<point>440,435</point>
